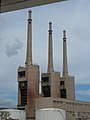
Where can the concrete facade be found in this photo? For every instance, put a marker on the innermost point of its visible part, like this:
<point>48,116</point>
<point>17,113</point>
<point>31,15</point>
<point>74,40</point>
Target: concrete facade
<point>50,80</point>
<point>74,109</point>
<point>48,87</point>
<point>32,90</point>
<point>68,83</point>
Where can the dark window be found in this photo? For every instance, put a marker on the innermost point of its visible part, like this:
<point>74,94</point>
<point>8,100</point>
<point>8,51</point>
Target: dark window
<point>23,89</point>
<point>62,84</point>
<point>23,84</point>
<point>63,93</point>
<point>21,74</point>
<point>23,97</point>
<point>46,91</point>
<point>45,79</point>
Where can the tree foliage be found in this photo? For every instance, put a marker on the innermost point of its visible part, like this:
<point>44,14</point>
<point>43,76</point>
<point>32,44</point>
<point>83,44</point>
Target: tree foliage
<point>4,115</point>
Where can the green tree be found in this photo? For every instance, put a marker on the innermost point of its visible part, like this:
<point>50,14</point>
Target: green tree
<point>4,115</point>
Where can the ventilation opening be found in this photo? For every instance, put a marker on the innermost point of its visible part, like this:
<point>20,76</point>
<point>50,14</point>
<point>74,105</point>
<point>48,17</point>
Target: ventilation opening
<point>21,74</point>
<point>63,93</point>
<point>23,88</point>
<point>46,91</point>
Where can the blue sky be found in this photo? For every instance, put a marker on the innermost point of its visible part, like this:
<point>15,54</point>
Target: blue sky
<point>71,15</point>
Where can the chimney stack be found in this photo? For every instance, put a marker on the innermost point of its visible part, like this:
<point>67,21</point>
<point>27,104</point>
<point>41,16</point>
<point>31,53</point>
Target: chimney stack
<point>50,50</point>
<point>65,65</point>
<point>29,40</point>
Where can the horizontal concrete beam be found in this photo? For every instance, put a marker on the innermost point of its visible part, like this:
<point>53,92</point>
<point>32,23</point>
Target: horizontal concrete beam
<point>11,5</point>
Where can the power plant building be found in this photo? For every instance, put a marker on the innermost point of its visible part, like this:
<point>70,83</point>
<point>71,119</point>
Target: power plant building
<point>56,91</point>
<point>28,79</point>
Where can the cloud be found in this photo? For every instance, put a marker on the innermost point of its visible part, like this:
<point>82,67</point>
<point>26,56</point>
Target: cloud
<point>84,92</point>
<point>3,22</point>
<point>7,103</point>
<point>13,49</point>
<point>1,28</point>
<point>8,95</point>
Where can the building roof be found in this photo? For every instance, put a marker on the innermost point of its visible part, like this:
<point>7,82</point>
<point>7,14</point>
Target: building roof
<point>10,5</point>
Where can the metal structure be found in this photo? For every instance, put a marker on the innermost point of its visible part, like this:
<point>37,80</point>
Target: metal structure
<point>11,5</point>
<point>50,114</point>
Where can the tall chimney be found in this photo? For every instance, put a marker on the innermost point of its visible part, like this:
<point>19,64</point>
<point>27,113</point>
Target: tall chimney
<point>29,40</point>
<point>50,50</point>
<point>65,66</point>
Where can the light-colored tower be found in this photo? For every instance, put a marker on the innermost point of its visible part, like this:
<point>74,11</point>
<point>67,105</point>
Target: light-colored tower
<point>29,41</point>
<point>32,75</point>
<point>50,50</point>
<point>65,65</point>
<point>23,71</point>
<point>50,80</point>
<point>28,79</point>
<point>67,87</point>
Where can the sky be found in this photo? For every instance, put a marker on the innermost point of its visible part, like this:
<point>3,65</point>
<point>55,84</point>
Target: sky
<point>72,16</point>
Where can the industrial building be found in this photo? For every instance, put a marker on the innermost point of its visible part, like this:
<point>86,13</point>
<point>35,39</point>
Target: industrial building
<point>28,79</point>
<point>56,91</point>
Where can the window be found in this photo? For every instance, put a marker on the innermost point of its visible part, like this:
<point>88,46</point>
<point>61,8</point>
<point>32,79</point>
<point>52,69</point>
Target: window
<point>62,84</point>
<point>63,93</point>
<point>46,91</point>
<point>23,89</point>
<point>45,79</point>
<point>21,74</point>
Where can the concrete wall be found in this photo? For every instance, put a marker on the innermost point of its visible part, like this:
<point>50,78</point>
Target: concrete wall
<point>73,108</point>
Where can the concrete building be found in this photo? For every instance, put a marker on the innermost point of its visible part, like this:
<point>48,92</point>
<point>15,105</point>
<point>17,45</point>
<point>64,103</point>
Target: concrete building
<point>50,80</point>
<point>28,79</point>
<point>66,81</point>
<point>52,84</point>
<point>75,110</point>
<point>56,91</point>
